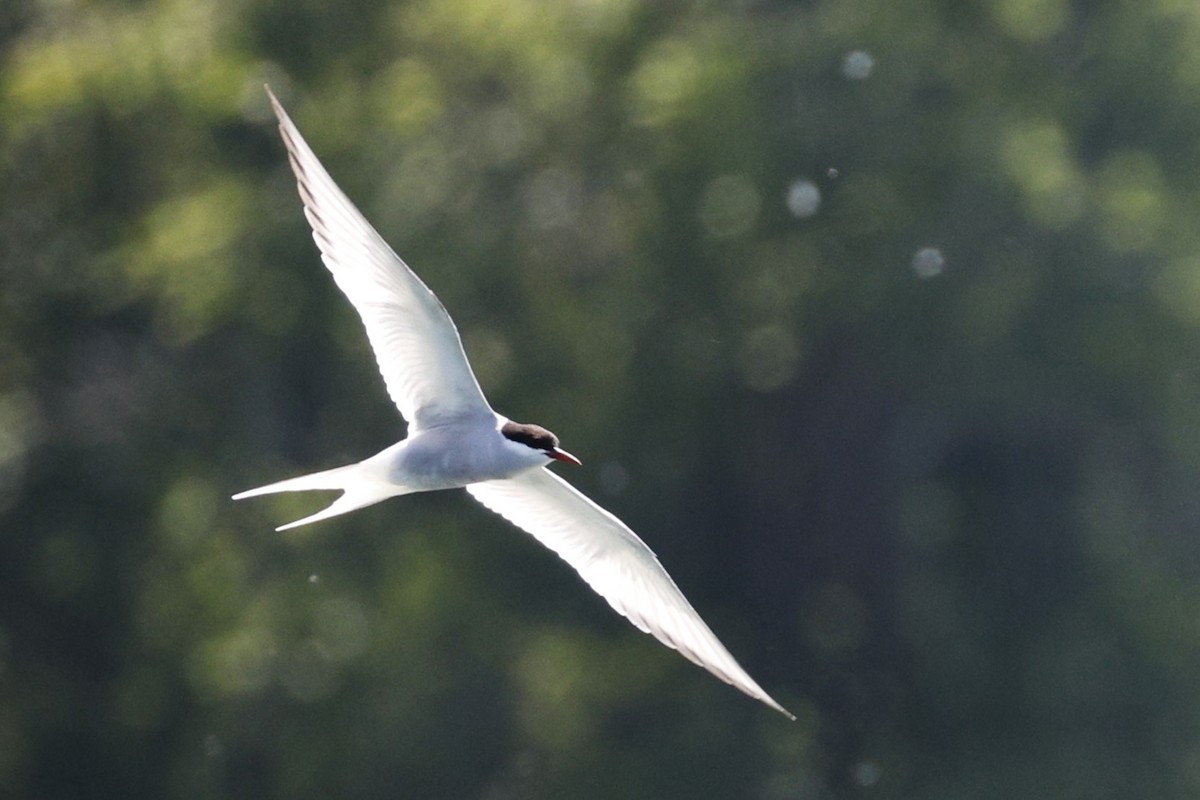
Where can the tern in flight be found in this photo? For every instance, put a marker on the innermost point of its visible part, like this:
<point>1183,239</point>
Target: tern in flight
<point>455,439</point>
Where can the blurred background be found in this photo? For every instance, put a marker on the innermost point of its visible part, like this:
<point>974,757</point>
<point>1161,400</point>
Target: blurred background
<point>879,321</point>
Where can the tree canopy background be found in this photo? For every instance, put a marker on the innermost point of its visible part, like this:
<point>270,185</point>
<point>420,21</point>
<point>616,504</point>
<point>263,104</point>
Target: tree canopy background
<point>880,321</point>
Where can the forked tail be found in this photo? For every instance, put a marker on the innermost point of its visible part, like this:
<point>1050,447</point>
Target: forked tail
<point>354,481</point>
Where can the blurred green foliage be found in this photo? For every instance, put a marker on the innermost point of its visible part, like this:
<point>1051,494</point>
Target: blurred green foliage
<point>879,320</point>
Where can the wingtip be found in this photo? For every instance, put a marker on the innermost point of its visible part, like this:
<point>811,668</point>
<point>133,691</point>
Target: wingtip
<point>276,106</point>
<point>765,698</point>
<point>782,710</point>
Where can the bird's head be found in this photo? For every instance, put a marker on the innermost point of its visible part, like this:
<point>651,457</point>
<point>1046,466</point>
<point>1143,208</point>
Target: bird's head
<point>537,438</point>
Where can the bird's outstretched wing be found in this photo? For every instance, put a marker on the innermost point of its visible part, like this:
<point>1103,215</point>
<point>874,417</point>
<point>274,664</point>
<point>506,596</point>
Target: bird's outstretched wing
<point>416,344</point>
<point>616,563</point>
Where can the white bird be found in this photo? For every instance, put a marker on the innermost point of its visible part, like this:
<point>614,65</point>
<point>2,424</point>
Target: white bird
<point>455,439</point>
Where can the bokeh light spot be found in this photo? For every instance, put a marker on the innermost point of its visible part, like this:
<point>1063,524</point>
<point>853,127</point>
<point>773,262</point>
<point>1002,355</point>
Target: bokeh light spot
<point>803,199</point>
<point>928,262</point>
<point>666,82</point>
<point>858,65</point>
<point>1037,155</point>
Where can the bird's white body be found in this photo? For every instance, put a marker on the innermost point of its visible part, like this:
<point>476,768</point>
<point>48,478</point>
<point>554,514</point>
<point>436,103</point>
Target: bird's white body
<point>455,439</point>
<point>454,455</point>
<point>449,456</point>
